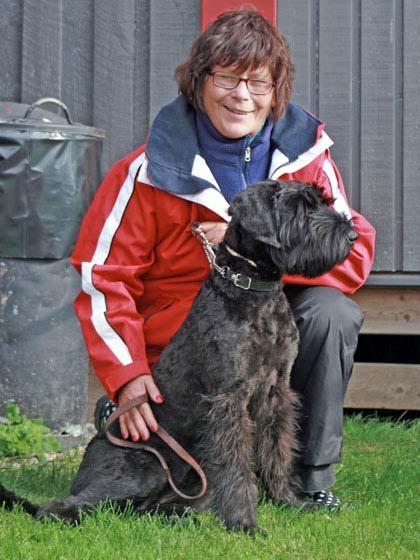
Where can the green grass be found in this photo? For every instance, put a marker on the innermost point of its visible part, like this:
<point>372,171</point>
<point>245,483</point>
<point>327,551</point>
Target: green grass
<point>379,478</point>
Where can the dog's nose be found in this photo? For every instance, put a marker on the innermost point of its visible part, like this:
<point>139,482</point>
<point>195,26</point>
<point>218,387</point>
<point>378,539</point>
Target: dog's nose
<point>352,236</point>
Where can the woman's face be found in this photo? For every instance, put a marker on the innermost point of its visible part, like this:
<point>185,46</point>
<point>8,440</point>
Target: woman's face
<point>236,112</point>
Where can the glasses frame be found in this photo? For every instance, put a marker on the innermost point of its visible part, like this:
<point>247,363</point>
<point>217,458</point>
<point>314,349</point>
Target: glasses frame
<point>246,80</point>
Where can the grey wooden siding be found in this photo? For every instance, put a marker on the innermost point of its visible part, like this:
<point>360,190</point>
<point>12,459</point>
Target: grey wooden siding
<point>357,67</point>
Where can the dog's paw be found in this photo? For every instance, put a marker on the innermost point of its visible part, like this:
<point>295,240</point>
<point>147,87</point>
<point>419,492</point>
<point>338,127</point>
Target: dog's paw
<point>60,510</point>
<point>248,526</point>
<point>250,530</point>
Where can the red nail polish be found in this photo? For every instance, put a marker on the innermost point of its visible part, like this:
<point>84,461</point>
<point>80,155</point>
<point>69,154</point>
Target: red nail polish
<point>159,399</point>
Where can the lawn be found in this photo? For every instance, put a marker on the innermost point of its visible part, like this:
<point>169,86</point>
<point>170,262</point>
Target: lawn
<point>379,480</point>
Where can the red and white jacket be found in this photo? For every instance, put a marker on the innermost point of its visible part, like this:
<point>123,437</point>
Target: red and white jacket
<point>141,267</point>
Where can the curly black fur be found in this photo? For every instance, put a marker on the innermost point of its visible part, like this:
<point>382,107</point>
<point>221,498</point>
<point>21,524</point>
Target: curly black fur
<point>225,374</point>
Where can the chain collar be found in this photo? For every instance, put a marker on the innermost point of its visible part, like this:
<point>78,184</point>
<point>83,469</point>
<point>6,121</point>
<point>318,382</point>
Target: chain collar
<point>239,280</point>
<point>208,248</point>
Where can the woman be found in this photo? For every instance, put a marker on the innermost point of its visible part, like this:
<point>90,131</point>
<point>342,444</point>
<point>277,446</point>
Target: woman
<point>141,266</point>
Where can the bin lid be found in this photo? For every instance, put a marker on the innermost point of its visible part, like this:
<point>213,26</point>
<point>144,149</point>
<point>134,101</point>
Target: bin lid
<point>22,116</point>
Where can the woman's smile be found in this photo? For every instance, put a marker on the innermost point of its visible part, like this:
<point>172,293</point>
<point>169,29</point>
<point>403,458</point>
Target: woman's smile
<point>236,112</point>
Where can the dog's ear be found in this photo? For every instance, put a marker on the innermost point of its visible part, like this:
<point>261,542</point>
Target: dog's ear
<point>256,211</point>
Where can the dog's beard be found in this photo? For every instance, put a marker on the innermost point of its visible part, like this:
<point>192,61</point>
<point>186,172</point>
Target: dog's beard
<point>315,245</point>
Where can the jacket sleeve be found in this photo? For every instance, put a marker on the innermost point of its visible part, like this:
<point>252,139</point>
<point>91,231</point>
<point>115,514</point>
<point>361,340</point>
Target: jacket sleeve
<point>350,275</point>
<point>114,249</point>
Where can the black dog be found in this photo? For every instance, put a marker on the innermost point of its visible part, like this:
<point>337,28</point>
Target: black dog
<point>225,374</point>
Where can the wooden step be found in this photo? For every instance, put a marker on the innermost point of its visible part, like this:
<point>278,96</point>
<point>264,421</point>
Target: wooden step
<point>386,386</point>
<point>390,310</point>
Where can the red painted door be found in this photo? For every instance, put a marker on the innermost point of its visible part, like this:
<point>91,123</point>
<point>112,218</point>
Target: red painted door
<point>210,9</point>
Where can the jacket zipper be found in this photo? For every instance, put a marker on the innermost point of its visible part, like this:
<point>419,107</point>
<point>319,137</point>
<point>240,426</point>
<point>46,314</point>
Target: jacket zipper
<point>248,154</point>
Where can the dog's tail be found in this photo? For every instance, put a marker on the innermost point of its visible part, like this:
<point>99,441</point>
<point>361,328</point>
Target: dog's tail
<point>9,499</point>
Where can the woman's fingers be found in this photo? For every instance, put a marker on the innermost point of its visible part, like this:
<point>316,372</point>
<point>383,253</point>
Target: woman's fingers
<point>214,231</point>
<point>132,425</point>
<point>137,421</point>
<point>139,428</point>
<point>152,390</point>
<point>148,418</point>
<point>123,427</point>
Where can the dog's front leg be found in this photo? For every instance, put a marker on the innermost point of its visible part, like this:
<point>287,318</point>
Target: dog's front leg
<point>276,441</point>
<point>227,450</point>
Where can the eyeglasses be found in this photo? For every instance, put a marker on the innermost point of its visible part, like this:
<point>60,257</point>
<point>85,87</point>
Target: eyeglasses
<point>230,81</point>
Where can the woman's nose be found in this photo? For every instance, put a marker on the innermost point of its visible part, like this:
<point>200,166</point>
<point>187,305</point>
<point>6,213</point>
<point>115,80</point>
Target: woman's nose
<point>241,90</point>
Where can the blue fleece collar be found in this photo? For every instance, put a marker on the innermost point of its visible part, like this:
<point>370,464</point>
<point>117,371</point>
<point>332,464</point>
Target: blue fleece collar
<point>234,162</point>
<point>172,144</point>
<point>228,150</point>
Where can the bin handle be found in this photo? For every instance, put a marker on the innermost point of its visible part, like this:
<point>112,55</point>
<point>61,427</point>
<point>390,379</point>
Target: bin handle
<point>49,100</point>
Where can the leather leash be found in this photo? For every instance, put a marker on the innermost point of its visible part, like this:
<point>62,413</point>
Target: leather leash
<point>169,440</point>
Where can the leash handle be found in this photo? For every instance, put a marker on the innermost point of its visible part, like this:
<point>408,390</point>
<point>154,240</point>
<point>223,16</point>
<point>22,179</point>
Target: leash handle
<point>168,439</point>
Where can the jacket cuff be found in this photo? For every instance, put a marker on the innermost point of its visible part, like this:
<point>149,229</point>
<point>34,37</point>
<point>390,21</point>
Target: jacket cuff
<point>113,379</point>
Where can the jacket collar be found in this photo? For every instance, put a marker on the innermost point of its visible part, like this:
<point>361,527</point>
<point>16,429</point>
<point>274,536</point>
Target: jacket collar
<point>172,148</point>
<point>174,162</point>
<point>296,132</point>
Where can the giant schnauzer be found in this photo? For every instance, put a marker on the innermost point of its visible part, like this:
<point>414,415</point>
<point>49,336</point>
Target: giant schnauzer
<point>225,374</point>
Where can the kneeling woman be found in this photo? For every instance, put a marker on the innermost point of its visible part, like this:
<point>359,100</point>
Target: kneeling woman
<point>233,124</point>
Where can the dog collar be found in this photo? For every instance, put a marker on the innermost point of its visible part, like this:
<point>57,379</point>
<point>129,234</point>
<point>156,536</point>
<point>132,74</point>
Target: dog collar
<point>247,282</point>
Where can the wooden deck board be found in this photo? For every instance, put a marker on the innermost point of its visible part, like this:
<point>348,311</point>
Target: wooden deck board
<point>386,386</point>
<point>390,310</point>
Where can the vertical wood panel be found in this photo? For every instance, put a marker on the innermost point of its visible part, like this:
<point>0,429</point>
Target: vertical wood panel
<point>42,49</point>
<point>113,89</point>
<point>77,82</point>
<point>354,171</point>
<point>298,20</point>
<point>10,49</point>
<point>378,126</point>
<point>174,26</point>
<point>411,139</point>
<point>336,75</point>
<point>141,71</point>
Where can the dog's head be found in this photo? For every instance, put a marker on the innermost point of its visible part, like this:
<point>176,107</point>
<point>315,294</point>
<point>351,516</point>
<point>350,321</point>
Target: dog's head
<point>302,233</point>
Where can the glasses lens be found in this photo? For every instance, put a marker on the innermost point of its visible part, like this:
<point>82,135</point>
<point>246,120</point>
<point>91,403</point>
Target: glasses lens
<point>230,81</point>
<point>227,81</point>
<point>259,86</point>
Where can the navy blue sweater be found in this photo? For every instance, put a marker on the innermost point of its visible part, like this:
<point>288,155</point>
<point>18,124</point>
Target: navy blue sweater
<point>227,157</point>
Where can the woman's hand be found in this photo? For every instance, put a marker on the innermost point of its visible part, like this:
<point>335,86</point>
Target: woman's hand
<point>214,231</point>
<point>137,421</point>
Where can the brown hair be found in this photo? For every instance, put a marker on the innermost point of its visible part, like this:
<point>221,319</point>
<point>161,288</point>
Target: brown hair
<point>243,38</point>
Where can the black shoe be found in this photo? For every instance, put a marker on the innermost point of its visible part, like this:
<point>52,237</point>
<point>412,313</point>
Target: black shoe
<point>103,410</point>
<point>320,500</point>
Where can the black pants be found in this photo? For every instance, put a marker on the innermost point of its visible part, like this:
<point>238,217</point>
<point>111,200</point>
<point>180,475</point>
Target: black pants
<point>329,324</point>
